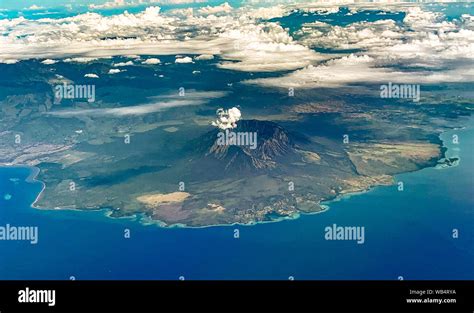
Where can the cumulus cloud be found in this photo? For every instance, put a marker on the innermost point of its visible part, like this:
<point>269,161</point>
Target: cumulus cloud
<point>244,41</point>
<point>223,8</point>
<point>9,61</point>
<point>241,38</point>
<point>151,61</point>
<point>227,119</point>
<point>265,47</point>
<point>123,3</point>
<point>91,75</point>
<point>428,48</point>
<point>49,61</point>
<point>204,57</point>
<point>114,71</point>
<point>109,4</point>
<point>268,12</point>
<point>359,35</point>
<point>119,64</point>
<point>183,60</point>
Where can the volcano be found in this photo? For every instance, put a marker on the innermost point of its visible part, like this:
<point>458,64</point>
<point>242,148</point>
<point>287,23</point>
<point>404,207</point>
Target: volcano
<point>273,145</point>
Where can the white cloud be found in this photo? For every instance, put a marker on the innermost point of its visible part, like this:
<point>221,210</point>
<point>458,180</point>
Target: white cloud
<point>429,48</point>
<point>227,119</point>
<point>109,4</point>
<point>119,64</point>
<point>80,60</point>
<point>123,111</point>
<point>183,60</point>
<point>239,37</point>
<point>91,75</point>
<point>9,61</point>
<point>244,42</point>
<point>363,69</point>
<point>223,8</point>
<point>360,35</point>
<point>204,57</point>
<point>49,61</point>
<point>159,103</point>
<point>123,3</point>
<point>273,11</point>
<point>34,7</point>
<point>151,61</point>
<point>115,71</point>
<point>264,47</point>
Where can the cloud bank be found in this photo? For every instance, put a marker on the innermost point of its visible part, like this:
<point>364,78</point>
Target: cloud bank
<point>238,36</point>
<point>425,48</point>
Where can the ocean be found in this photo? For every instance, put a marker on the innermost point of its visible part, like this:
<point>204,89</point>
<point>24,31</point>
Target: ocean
<point>409,234</point>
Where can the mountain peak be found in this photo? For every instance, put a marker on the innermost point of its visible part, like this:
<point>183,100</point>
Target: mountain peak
<point>271,142</point>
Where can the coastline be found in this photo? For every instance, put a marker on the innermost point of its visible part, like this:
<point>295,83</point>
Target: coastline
<point>325,205</point>
<point>445,150</point>
<point>31,178</point>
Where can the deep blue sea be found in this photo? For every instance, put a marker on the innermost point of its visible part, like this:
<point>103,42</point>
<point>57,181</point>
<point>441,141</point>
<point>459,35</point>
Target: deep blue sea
<point>407,234</point>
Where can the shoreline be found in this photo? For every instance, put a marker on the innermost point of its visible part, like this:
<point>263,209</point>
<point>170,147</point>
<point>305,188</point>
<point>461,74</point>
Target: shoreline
<point>31,178</point>
<point>147,221</point>
<point>445,156</point>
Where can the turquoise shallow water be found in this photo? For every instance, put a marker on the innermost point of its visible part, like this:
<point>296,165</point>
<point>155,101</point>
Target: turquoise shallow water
<point>407,234</point>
